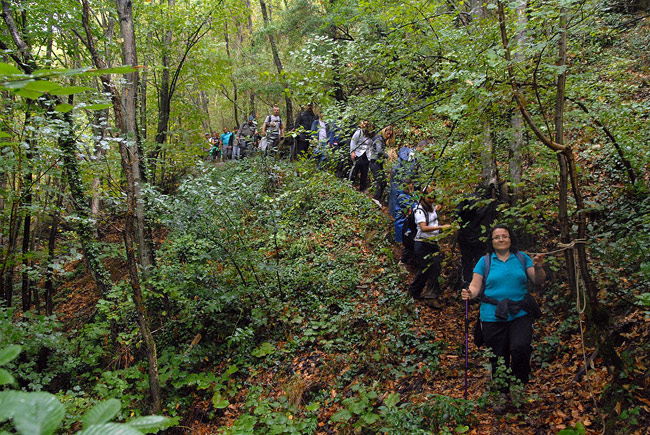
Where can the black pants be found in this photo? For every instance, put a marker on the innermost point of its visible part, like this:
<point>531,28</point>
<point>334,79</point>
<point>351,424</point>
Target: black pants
<point>470,254</point>
<point>377,169</point>
<point>407,255</point>
<point>511,340</point>
<point>361,167</point>
<point>428,259</point>
<point>302,145</point>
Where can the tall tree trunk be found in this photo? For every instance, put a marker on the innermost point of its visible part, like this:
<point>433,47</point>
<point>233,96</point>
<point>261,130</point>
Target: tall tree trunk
<point>51,246</point>
<point>278,64</point>
<point>7,269</point>
<point>143,110</point>
<point>516,120</point>
<point>488,160</point>
<point>232,77</point>
<point>205,107</point>
<point>598,326</point>
<point>26,290</point>
<point>134,234</point>
<point>129,143</point>
<point>100,134</point>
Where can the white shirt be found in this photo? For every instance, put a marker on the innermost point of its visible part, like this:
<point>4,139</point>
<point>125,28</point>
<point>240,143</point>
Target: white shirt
<point>360,143</point>
<point>322,133</point>
<point>421,216</point>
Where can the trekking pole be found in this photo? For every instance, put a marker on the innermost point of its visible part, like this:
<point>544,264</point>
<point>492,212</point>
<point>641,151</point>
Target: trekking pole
<point>466,342</point>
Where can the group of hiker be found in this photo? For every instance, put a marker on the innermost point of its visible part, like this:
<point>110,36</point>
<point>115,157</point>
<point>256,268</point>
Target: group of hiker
<point>493,269</point>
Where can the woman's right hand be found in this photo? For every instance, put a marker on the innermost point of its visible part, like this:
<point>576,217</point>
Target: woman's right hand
<point>465,294</point>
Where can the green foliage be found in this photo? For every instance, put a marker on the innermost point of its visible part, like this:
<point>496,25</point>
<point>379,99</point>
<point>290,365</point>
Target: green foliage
<point>41,413</point>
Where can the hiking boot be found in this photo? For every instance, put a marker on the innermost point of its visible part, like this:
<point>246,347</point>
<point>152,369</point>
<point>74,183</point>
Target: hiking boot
<point>500,404</point>
<point>433,303</point>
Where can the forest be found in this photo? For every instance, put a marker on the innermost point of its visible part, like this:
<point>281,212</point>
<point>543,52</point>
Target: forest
<point>164,270</point>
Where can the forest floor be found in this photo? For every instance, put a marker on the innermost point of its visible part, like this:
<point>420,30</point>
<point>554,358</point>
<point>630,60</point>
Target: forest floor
<point>555,399</point>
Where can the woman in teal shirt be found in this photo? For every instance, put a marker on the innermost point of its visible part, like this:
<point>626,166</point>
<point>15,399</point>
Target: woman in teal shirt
<point>506,324</point>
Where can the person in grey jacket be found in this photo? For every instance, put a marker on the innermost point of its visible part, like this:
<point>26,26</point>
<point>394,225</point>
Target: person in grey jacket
<point>360,146</point>
<point>377,156</point>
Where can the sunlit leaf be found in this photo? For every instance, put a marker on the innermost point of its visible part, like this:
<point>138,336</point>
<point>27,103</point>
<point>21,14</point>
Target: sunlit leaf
<point>64,107</point>
<point>110,429</point>
<point>98,106</point>
<point>101,413</point>
<point>150,423</point>
<point>9,353</point>
<point>41,415</point>
<point>69,90</point>
<point>26,93</point>
<point>219,401</point>
<point>7,70</point>
<point>41,86</point>
<point>6,378</point>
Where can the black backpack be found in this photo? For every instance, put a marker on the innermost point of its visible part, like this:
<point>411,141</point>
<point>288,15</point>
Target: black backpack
<point>410,228</point>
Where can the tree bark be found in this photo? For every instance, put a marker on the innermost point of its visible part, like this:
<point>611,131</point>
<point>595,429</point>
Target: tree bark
<point>516,121</point>
<point>51,246</point>
<point>488,160</point>
<point>134,232</point>
<point>278,65</point>
<point>26,290</point>
<point>129,142</point>
<point>597,316</point>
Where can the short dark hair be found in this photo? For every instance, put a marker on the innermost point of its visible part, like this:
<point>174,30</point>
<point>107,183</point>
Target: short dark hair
<point>513,239</point>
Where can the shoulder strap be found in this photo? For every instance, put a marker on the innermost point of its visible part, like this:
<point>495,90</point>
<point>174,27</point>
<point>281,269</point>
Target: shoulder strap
<point>487,260</point>
<point>426,213</point>
<point>522,260</point>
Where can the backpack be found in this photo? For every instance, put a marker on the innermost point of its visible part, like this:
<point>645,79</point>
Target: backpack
<point>410,228</point>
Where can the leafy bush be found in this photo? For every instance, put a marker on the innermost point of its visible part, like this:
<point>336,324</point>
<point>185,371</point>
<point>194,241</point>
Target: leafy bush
<point>41,413</point>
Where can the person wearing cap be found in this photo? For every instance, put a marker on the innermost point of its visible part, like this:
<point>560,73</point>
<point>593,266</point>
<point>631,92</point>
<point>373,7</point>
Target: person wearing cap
<point>272,130</point>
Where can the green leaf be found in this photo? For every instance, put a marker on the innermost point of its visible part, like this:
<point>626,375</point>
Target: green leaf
<point>9,353</point>
<point>102,412</point>
<point>219,401</point>
<point>461,429</point>
<point>264,349</point>
<point>10,402</point>
<point>392,400</point>
<point>41,86</point>
<point>69,90</point>
<point>41,414</point>
<point>98,106</point>
<point>26,93</point>
<point>18,84</point>
<point>7,70</point>
<point>370,417</point>
<point>5,377</point>
<point>150,423</point>
<point>110,429</point>
<point>64,107</point>
<point>342,415</point>
<point>3,134</point>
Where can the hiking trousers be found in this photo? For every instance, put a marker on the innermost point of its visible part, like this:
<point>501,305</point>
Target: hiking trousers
<point>429,262</point>
<point>361,167</point>
<point>512,341</point>
<point>377,169</point>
